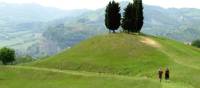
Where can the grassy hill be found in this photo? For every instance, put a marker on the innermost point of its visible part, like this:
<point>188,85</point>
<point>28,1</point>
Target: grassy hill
<point>132,55</point>
<point>111,61</point>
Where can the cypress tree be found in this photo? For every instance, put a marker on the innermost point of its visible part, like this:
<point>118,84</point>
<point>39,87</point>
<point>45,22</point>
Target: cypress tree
<point>139,14</point>
<point>128,21</point>
<point>112,16</point>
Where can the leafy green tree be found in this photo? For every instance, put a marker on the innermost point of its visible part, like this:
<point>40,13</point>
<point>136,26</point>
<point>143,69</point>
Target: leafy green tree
<point>128,20</point>
<point>139,14</point>
<point>196,43</point>
<point>7,55</point>
<point>113,16</point>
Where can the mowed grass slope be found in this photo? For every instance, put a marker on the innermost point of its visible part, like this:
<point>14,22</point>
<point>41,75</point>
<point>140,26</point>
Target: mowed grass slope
<point>28,77</point>
<point>116,53</point>
<point>131,55</point>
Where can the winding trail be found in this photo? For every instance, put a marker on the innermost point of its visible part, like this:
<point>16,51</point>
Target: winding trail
<point>79,73</point>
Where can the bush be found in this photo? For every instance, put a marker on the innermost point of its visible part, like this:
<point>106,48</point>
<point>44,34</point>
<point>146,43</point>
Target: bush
<point>196,43</point>
<point>7,55</point>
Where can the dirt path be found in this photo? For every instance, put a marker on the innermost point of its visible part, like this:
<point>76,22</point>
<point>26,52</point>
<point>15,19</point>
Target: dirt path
<point>80,73</point>
<point>150,42</point>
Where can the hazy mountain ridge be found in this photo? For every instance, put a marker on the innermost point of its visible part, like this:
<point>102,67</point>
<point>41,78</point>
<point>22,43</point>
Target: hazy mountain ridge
<point>33,12</point>
<point>179,24</point>
<point>21,25</point>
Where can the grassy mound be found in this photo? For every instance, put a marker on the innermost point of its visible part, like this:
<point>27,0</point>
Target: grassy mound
<point>133,55</point>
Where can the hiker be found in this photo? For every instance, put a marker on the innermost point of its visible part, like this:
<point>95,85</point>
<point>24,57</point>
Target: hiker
<point>160,73</point>
<point>167,74</point>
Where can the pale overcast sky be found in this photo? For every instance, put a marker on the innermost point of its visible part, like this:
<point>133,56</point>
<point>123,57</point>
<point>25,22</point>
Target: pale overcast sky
<point>94,4</point>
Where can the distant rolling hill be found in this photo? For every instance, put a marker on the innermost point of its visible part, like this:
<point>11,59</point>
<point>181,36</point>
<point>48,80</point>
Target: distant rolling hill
<point>130,55</point>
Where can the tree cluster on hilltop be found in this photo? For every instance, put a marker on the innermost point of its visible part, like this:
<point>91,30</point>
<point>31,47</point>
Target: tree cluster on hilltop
<point>132,20</point>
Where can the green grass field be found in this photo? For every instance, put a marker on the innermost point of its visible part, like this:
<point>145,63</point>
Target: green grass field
<point>110,61</point>
<point>41,78</point>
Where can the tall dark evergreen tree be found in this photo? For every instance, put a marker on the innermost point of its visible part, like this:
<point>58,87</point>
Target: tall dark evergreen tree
<point>113,16</point>
<point>128,21</point>
<point>139,14</point>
